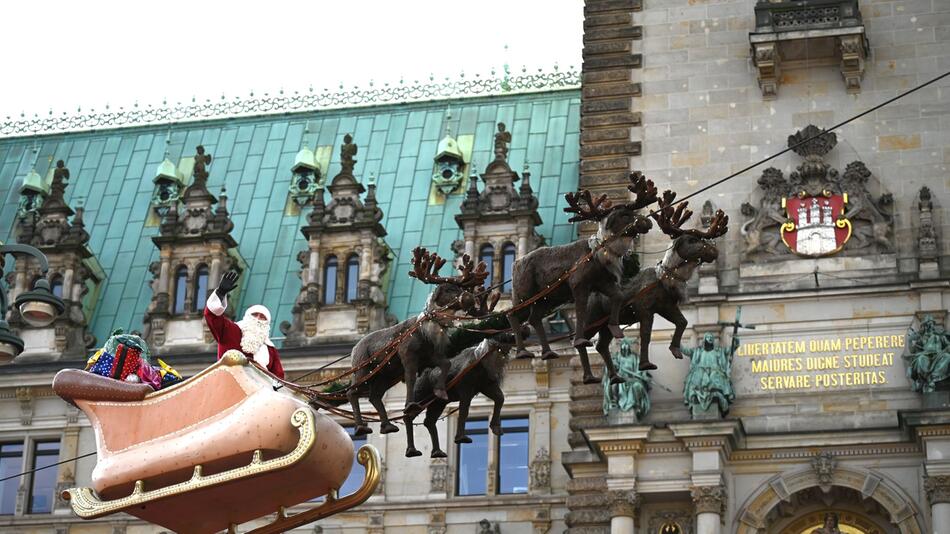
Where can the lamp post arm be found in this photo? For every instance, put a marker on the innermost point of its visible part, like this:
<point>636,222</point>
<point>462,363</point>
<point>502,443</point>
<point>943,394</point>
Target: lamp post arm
<point>27,249</point>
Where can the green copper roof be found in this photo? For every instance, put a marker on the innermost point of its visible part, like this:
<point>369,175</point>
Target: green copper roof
<point>113,171</point>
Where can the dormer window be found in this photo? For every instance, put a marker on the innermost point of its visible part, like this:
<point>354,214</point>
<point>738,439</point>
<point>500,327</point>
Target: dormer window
<point>487,255</point>
<point>181,287</point>
<point>352,277</point>
<point>329,281</point>
<point>507,264</point>
<point>201,288</point>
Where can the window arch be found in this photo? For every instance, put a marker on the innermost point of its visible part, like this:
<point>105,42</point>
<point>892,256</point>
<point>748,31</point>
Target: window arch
<point>507,265</point>
<point>329,280</point>
<point>487,255</point>
<point>181,286</point>
<point>352,277</point>
<point>56,285</point>
<point>201,287</point>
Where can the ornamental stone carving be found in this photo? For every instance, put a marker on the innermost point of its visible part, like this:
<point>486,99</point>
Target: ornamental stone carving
<point>824,465</point>
<point>540,470</point>
<point>937,488</point>
<point>438,475</point>
<point>74,272</point>
<point>709,500</point>
<point>195,249</point>
<point>623,503</point>
<point>860,222</point>
<point>342,294</point>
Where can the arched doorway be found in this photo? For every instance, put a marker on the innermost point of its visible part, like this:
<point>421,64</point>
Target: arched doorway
<point>794,502</point>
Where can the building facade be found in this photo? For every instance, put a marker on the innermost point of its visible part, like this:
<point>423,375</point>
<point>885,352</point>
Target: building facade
<point>837,253</point>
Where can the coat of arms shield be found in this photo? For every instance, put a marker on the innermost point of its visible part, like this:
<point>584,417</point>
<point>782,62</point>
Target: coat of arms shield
<point>816,225</point>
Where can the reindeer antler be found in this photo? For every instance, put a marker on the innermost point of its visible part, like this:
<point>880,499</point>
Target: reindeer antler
<point>426,265</point>
<point>595,209</point>
<point>718,226</point>
<point>471,275</point>
<point>644,190</point>
<point>670,219</point>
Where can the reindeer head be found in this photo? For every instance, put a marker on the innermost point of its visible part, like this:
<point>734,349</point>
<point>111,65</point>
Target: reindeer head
<point>615,218</point>
<point>691,245</point>
<point>459,293</point>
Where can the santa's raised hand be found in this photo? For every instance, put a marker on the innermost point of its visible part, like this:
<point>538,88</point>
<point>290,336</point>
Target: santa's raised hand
<point>251,335</point>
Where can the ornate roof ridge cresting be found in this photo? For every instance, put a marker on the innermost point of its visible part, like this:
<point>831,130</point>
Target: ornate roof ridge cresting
<point>311,100</point>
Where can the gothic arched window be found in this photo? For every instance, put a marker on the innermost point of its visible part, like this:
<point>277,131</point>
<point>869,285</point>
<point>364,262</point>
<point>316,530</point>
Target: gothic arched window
<point>352,277</point>
<point>329,280</point>
<point>487,255</point>
<point>56,285</point>
<point>181,285</point>
<point>507,264</point>
<point>201,287</point>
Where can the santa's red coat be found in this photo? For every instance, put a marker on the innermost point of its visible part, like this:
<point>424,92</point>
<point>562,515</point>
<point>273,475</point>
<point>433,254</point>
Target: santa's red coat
<point>228,335</point>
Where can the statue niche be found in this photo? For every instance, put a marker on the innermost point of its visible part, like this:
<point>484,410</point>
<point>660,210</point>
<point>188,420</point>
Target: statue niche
<point>817,211</point>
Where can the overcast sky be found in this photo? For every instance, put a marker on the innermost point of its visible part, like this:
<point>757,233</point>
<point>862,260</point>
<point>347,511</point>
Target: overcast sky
<point>64,54</point>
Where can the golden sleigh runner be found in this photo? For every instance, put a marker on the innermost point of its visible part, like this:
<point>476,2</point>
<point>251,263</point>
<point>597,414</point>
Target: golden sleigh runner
<point>210,453</point>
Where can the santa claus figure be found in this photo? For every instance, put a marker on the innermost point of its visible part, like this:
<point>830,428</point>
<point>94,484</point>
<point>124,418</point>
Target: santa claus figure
<point>250,335</point>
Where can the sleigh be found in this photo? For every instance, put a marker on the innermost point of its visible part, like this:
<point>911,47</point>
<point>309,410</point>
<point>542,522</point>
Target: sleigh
<point>210,453</point>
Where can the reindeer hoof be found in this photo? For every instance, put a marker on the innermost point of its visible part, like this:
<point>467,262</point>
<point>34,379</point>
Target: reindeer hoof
<point>524,354</point>
<point>615,330</point>
<point>411,452</point>
<point>617,379</point>
<point>440,393</point>
<point>581,342</point>
<point>438,453</point>
<point>647,366</point>
<point>591,379</point>
<point>463,439</point>
<point>388,428</point>
<point>361,431</point>
<point>677,353</point>
<point>550,355</point>
<point>496,430</point>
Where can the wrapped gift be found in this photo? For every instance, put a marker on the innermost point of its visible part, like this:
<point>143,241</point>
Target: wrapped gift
<point>169,375</point>
<point>126,361</point>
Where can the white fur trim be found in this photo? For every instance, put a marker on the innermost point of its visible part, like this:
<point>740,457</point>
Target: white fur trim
<point>216,305</point>
<point>249,321</point>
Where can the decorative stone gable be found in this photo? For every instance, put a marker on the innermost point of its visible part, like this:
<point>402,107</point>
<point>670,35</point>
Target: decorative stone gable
<point>343,269</point>
<point>196,248</point>
<point>498,222</point>
<point>52,226</point>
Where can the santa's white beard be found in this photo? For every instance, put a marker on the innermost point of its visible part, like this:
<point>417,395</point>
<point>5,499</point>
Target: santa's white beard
<point>254,333</point>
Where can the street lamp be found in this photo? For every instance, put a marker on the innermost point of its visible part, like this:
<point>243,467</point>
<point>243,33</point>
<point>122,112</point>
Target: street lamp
<point>38,307</point>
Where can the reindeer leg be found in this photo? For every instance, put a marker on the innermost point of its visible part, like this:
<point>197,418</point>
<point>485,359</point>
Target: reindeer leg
<point>603,348</point>
<point>675,316</point>
<point>522,352</point>
<point>432,417</point>
<point>411,450</point>
<point>580,307</point>
<point>361,428</point>
<point>646,329</point>
<point>439,391</point>
<point>589,377</point>
<point>376,399</point>
<point>612,291</point>
<point>535,321</point>
<point>493,392</point>
<point>410,368</point>
<point>464,402</point>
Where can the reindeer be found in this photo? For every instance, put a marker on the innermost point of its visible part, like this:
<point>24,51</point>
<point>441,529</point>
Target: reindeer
<point>425,346</point>
<point>484,368</point>
<point>618,225</point>
<point>659,290</point>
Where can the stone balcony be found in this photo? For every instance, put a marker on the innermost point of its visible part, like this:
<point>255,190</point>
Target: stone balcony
<point>805,33</point>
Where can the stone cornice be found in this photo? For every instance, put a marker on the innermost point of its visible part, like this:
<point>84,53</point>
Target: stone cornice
<point>617,439</point>
<point>719,435</point>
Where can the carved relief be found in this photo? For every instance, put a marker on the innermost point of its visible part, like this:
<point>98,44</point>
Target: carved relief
<point>438,475</point>
<point>927,243</point>
<point>860,223</point>
<point>540,470</point>
<point>824,466</point>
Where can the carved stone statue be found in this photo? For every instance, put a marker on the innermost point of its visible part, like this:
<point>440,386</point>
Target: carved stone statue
<point>502,138</point>
<point>928,358</point>
<point>347,151</point>
<point>487,527</point>
<point>634,393</point>
<point>709,379</point>
<point>927,232</point>
<point>202,161</point>
<point>830,525</point>
<point>761,231</point>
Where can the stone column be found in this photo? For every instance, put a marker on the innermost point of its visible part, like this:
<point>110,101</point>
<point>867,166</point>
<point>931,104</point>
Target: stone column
<point>938,493</point>
<point>366,259</point>
<point>710,503</point>
<point>623,506</point>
